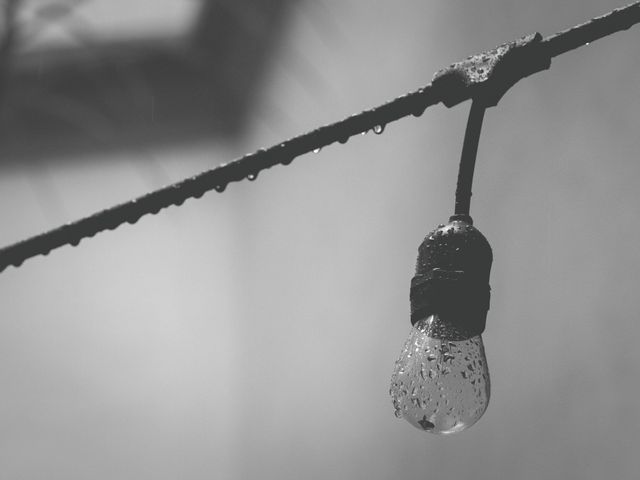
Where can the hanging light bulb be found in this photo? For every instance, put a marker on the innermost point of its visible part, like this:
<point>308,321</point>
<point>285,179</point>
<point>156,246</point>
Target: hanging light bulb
<point>441,380</point>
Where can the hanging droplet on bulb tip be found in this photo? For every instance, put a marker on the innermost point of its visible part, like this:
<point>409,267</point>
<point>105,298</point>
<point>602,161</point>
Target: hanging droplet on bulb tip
<point>426,424</point>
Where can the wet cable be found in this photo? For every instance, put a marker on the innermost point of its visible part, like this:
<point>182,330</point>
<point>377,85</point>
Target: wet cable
<point>488,76</point>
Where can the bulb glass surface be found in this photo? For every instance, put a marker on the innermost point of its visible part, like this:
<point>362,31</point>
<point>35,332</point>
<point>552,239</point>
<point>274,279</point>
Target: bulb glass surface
<point>440,386</point>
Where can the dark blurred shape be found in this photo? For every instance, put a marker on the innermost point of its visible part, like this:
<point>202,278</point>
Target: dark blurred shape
<point>141,93</point>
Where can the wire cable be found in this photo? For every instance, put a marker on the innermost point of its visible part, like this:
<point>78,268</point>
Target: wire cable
<point>468,157</point>
<point>488,76</point>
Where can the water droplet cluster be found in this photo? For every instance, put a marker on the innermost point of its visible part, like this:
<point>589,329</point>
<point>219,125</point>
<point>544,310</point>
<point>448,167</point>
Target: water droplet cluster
<point>440,386</point>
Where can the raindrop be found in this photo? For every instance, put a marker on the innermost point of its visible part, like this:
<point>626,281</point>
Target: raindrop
<point>317,150</point>
<point>378,129</point>
<point>426,424</point>
<point>418,111</point>
<point>252,176</point>
<point>220,188</point>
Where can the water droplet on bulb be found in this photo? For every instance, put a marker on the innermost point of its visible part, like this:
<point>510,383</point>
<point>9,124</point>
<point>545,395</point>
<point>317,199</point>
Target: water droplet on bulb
<point>426,424</point>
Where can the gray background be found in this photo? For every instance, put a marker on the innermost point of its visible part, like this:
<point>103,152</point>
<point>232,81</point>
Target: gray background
<point>253,334</point>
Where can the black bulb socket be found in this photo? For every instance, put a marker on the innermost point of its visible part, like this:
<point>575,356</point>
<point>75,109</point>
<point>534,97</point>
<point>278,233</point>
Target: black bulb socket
<point>452,280</point>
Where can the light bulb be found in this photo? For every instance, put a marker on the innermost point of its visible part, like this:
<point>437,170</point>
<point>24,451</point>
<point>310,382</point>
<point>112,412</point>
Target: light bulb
<point>440,385</point>
<point>441,380</point>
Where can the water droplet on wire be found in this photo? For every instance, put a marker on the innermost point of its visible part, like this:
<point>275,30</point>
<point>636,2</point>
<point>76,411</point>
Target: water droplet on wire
<point>252,176</point>
<point>317,150</point>
<point>220,188</point>
<point>378,129</point>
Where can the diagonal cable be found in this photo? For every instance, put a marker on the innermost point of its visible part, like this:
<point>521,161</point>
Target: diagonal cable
<point>487,76</point>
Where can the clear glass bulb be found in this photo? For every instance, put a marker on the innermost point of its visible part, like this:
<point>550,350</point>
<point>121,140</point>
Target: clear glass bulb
<point>439,385</point>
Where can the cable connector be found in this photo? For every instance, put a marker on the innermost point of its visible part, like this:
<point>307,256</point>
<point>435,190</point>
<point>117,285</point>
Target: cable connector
<point>487,76</point>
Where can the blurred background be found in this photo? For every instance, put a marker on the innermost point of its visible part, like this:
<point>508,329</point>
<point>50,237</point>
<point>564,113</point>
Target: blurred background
<point>253,334</point>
